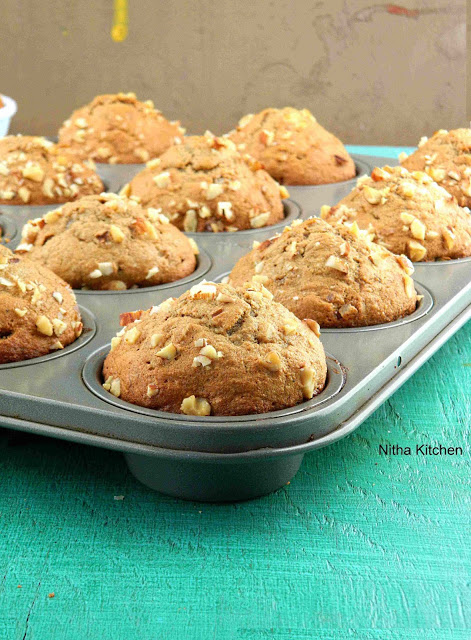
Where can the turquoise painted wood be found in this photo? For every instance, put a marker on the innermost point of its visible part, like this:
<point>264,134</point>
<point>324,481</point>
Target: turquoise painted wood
<point>360,545</point>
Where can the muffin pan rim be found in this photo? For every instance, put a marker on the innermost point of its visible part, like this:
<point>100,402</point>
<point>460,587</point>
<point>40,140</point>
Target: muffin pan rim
<point>283,436</point>
<point>89,332</point>
<point>203,266</point>
<point>91,372</point>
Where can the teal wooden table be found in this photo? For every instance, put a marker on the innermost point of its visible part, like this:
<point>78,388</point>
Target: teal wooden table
<point>360,545</point>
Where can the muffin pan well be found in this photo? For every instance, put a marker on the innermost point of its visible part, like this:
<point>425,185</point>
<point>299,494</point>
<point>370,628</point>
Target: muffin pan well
<point>230,458</point>
<point>311,198</point>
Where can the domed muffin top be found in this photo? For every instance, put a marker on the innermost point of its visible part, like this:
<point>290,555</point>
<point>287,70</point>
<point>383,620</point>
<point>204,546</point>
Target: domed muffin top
<point>334,276</point>
<point>215,351</point>
<point>204,184</point>
<point>115,244</point>
<point>293,147</point>
<point>446,158</point>
<point>119,129</point>
<point>34,171</point>
<point>406,213</point>
<point>38,310</point>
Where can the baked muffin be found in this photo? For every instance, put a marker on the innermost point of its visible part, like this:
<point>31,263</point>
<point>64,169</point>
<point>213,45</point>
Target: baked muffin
<point>114,242</point>
<point>119,129</point>
<point>334,276</point>
<point>215,351</point>
<point>406,213</point>
<point>35,171</point>
<point>446,158</point>
<point>204,184</point>
<point>293,147</point>
<point>38,310</point>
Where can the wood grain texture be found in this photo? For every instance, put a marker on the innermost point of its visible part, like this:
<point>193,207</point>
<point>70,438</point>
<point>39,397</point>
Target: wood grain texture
<point>358,546</point>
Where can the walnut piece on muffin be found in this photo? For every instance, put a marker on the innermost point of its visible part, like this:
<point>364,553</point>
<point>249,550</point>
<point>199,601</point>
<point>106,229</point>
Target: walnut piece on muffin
<point>333,276</point>
<point>119,129</point>
<point>38,310</point>
<point>446,158</point>
<point>204,184</point>
<point>115,244</point>
<point>293,147</point>
<point>215,351</point>
<point>408,213</point>
<point>34,171</point>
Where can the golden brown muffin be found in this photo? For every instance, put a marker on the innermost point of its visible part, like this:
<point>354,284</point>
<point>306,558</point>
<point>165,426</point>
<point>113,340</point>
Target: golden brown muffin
<point>114,242</point>
<point>34,171</point>
<point>204,184</point>
<point>406,213</point>
<point>446,158</point>
<point>215,351</point>
<point>293,147</point>
<point>38,310</point>
<point>333,276</point>
<point>119,129</point>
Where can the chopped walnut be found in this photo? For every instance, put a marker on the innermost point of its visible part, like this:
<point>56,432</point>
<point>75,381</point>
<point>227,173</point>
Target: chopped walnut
<point>168,352</point>
<point>193,406</point>
<point>44,326</point>
<point>307,382</point>
<point>162,180</point>
<point>132,335</point>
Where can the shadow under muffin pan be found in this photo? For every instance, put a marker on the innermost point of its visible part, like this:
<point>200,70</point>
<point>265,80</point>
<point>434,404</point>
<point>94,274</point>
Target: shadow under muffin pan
<point>230,458</point>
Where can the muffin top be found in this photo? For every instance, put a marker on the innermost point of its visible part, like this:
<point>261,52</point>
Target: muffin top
<point>406,213</point>
<point>35,171</point>
<point>334,276</point>
<point>446,158</point>
<point>115,244</point>
<point>215,351</point>
<point>293,147</point>
<point>119,129</point>
<point>204,184</point>
<point>38,310</point>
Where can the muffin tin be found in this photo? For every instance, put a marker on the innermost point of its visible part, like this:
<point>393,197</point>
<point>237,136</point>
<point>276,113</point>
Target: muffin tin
<point>226,458</point>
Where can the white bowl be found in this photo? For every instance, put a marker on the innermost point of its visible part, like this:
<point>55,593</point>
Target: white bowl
<point>6,114</point>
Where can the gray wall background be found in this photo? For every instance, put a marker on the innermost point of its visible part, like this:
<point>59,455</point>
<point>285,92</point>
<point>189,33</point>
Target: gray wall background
<point>373,73</point>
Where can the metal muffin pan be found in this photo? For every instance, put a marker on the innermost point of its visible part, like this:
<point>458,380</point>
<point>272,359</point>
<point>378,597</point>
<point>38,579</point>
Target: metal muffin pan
<point>311,198</point>
<point>229,458</point>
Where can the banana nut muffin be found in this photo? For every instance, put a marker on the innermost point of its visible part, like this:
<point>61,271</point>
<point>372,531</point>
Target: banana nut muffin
<point>446,158</point>
<point>38,310</point>
<point>35,171</point>
<point>331,275</point>
<point>204,184</point>
<point>293,147</point>
<point>406,213</point>
<point>215,351</point>
<point>114,244</point>
<point>119,129</point>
